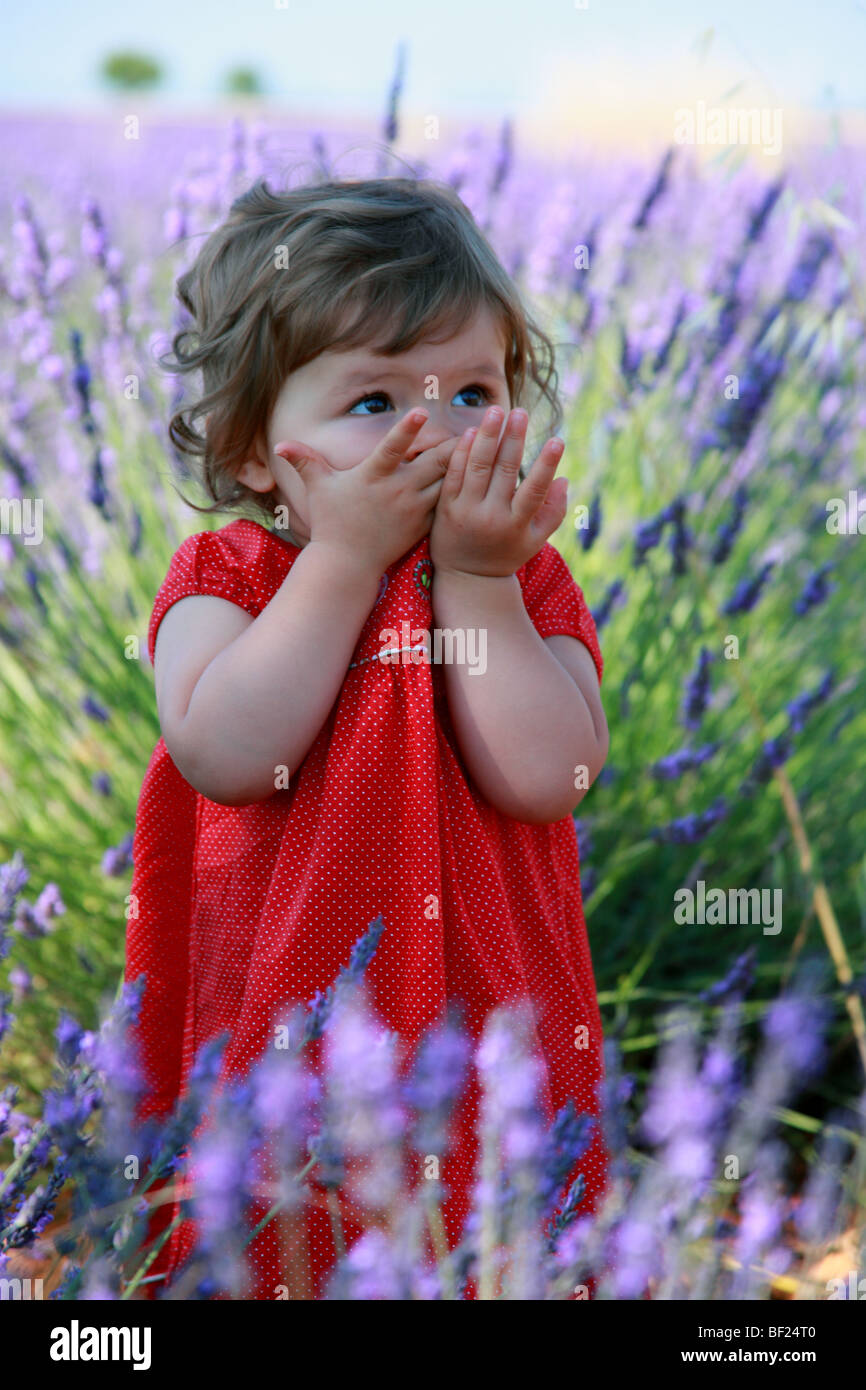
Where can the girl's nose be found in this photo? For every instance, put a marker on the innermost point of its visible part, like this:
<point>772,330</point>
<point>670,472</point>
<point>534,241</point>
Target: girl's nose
<point>442,424</point>
<point>433,431</point>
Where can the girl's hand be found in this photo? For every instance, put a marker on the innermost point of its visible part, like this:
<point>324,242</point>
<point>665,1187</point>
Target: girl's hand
<point>482,525</point>
<point>382,506</point>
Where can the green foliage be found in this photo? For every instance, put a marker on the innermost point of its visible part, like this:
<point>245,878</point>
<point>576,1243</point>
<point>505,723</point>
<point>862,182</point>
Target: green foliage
<point>243,82</point>
<point>130,72</point>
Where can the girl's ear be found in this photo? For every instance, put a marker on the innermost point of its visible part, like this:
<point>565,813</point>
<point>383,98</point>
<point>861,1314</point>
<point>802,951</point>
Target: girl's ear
<point>255,471</point>
<point>256,475</point>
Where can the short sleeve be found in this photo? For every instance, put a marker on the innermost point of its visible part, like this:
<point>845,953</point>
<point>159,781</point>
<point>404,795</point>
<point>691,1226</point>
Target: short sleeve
<point>211,562</point>
<point>555,602</point>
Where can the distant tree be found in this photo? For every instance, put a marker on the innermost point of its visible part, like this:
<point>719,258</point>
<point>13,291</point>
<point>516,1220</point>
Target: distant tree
<point>130,71</point>
<point>243,82</point>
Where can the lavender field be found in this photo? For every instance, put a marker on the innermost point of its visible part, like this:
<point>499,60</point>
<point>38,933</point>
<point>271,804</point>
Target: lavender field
<point>709,322</point>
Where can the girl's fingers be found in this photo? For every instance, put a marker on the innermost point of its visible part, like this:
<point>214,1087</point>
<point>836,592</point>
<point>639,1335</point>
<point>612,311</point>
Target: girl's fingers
<point>453,480</point>
<point>507,470</point>
<point>304,460</point>
<point>532,492</point>
<point>551,513</point>
<point>390,451</point>
<point>432,465</point>
<point>482,454</point>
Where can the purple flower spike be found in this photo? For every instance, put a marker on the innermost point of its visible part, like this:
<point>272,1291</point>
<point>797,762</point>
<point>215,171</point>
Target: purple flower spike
<point>697,691</point>
<point>799,709</point>
<point>729,531</point>
<point>684,760</point>
<point>748,591</point>
<point>611,599</point>
<point>438,1076</point>
<point>816,590</point>
<point>689,830</point>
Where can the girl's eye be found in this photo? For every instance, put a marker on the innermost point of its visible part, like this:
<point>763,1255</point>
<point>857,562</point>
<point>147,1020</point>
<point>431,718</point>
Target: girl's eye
<point>479,391</point>
<point>383,396</point>
<point>374,396</point>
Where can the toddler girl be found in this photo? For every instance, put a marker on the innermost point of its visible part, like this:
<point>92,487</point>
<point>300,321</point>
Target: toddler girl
<point>316,768</point>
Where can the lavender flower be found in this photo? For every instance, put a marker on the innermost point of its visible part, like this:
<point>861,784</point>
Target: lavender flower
<point>736,982</point>
<point>504,158</point>
<point>691,829</point>
<point>799,709</point>
<point>823,1193</point>
<point>370,1272</point>
<point>95,710</point>
<point>13,877</point>
<point>34,258</point>
<point>568,1139</point>
<point>748,591</point>
<point>589,534</point>
<point>655,191</point>
<point>774,753</point>
<point>794,1025</point>
<point>677,1102</point>
<point>560,1222</point>
<point>165,1143</point>
<point>35,1211</point>
<point>802,278</point>
<point>668,769</point>
<point>763,1210</point>
<point>761,214</point>
<point>665,350</point>
<point>117,859</point>
<point>6,1019</point>
<point>816,589</point>
<point>70,1036</point>
<point>223,1172</point>
<point>729,530</point>
<point>437,1080</point>
<point>362,1106</point>
<point>391,127</point>
<point>67,1110</point>
<point>81,382</point>
<point>32,577</point>
<point>697,691</point>
<point>21,981</point>
<point>285,1104</point>
<point>36,920</point>
<point>508,1200</point>
<point>602,614</point>
<point>648,535</point>
<point>681,538</point>
<point>321,1005</point>
<point>635,1253</point>
<point>736,419</point>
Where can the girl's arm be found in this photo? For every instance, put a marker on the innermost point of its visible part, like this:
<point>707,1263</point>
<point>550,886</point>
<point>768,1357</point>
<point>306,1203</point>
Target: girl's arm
<point>533,715</point>
<point>239,696</point>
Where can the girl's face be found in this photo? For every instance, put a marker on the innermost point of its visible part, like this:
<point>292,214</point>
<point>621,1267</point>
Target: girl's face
<point>343,403</point>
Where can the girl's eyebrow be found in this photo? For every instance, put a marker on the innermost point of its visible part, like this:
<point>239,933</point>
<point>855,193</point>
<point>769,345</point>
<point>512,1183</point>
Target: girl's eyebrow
<point>365,373</point>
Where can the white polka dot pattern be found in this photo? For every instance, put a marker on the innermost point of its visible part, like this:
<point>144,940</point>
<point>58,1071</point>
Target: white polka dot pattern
<point>243,910</point>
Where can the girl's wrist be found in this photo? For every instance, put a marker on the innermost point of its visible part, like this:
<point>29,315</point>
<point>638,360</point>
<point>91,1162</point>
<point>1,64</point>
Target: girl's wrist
<point>462,591</point>
<point>354,565</point>
<point>470,577</point>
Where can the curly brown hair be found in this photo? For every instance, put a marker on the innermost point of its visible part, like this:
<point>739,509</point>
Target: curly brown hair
<point>402,252</point>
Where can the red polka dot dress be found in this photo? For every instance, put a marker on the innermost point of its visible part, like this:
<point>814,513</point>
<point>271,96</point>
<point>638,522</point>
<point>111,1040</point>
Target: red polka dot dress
<point>243,911</point>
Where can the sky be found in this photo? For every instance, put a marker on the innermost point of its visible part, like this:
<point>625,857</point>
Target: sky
<point>553,66</point>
